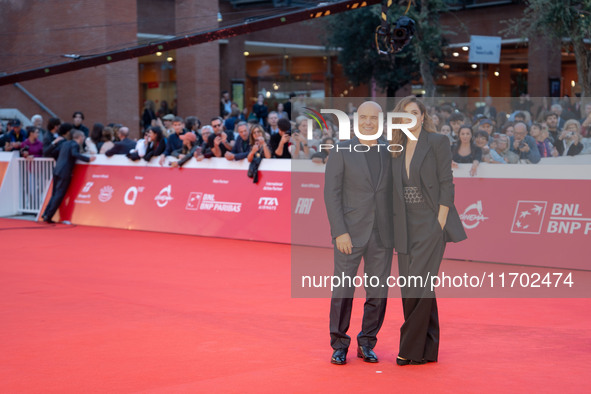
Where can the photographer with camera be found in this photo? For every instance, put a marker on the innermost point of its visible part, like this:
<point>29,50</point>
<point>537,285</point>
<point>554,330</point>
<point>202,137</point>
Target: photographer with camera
<point>524,145</point>
<point>569,140</point>
<point>280,142</point>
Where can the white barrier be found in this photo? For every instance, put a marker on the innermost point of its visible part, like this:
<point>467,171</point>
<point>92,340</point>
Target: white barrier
<point>34,177</point>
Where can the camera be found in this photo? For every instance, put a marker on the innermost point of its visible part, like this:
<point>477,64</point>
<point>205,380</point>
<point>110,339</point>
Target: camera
<point>403,31</point>
<point>522,144</point>
<point>570,134</point>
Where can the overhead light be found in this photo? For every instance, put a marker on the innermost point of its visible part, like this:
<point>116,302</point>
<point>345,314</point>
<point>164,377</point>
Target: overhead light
<point>246,53</point>
<point>286,56</point>
<point>465,48</point>
<point>275,86</point>
<point>455,54</point>
<point>572,83</point>
<point>441,64</point>
<point>497,73</point>
<point>268,94</point>
<point>444,77</point>
<point>169,59</point>
<point>474,66</point>
<point>158,53</point>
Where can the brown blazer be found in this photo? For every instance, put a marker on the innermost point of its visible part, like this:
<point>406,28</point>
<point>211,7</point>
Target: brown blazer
<point>434,169</point>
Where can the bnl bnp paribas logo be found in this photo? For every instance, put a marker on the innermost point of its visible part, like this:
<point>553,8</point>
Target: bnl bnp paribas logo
<point>345,128</point>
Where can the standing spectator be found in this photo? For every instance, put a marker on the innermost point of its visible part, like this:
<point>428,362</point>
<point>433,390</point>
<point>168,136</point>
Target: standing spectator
<point>502,147</point>
<point>524,145</point>
<point>280,141</point>
<point>446,131</point>
<point>540,134</point>
<point>107,140</point>
<point>93,142</point>
<point>287,105</point>
<point>487,125</point>
<point>464,151</point>
<point>325,147</point>
<point>192,124</point>
<point>53,125</point>
<point>189,149</point>
<point>167,124</point>
<point>32,146</point>
<point>123,146</point>
<point>230,121</point>
<point>299,148</point>
<point>557,109</point>
<point>260,110</point>
<point>77,119</point>
<point>272,120</point>
<point>487,110</point>
<point>552,122</point>
<point>37,121</point>
<point>62,173</point>
<point>258,144</point>
<point>241,144</point>
<point>508,129</point>
<point>174,142</point>
<point>456,120</point>
<point>569,141</point>
<point>225,103</point>
<point>148,115</point>
<point>156,143</point>
<point>217,144</point>
<point>436,121</point>
<point>15,137</point>
<point>53,149</point>
<point>163,110</point>
<point>281,111</point>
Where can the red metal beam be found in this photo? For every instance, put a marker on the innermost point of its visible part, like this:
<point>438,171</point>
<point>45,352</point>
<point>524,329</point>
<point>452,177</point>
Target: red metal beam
<point>198,38</point>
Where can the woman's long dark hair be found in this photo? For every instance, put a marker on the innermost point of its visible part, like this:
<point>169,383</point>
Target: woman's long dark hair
<point>398,137</point>
<point>97,132</point>
<point>455,147</point>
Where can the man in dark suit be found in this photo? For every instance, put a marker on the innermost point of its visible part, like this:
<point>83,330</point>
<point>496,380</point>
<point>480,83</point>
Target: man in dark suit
<point>123,146</point>
<point>62,173</point>
<point>53,148</point>
<point>358,198</point>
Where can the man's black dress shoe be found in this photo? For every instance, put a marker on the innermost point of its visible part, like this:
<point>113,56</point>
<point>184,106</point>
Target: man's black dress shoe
<point>403,361</point>
<point>367,354</point>
<point>339,357</point>
<point>48,220</point>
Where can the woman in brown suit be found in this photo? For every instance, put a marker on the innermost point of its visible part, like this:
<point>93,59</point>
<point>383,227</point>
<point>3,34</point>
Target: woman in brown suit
<point>424,220</point>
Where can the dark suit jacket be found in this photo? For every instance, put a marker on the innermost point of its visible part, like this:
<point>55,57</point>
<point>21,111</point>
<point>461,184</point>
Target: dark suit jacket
<point>69,153</point>
<point>53,150</point>
<point>121,147</point>
<point>573,150</point>
<point>433,155</point>
<point>351,199</point>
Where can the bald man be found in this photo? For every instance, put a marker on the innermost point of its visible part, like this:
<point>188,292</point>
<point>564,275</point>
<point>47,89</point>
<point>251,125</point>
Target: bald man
<point>124,145</point>
<point>358,198</point>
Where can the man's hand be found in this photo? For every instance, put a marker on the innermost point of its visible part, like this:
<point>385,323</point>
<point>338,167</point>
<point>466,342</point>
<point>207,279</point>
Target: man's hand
<point>217,141</point>
<point>229,156</point>
<point>285,139</point>
<point>174,164</point>
<point>92,158</point>
<point>344,244</point>
<point>525,147</point>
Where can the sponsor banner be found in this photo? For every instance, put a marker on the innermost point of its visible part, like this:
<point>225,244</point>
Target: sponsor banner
<point>543,222</point>
<point>216,203</point>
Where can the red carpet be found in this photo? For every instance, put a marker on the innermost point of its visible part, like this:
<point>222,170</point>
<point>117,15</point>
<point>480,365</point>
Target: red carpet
<point>100,310</point>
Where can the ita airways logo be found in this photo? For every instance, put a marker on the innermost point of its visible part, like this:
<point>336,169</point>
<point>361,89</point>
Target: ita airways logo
<point>303,206</point>
<point>105,193</point>
<point>164,196</point>
<point>529,216</point>
<point>472,216</point>
<point>194,201</point>
<point>268,203</point>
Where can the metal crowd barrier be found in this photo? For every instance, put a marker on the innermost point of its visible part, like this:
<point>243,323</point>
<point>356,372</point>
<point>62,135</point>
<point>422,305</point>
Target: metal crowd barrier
<point>34,176</point>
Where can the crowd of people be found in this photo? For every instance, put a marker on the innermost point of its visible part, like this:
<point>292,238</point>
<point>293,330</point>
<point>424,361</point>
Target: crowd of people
<point>236,134</point>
